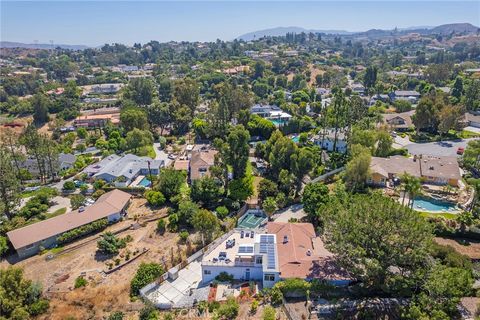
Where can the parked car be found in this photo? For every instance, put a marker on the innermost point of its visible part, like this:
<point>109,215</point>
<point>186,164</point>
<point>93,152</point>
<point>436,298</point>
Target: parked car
<point>460,150</point>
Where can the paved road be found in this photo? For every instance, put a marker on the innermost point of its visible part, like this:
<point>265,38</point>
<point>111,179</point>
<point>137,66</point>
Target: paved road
<point>442,148</point>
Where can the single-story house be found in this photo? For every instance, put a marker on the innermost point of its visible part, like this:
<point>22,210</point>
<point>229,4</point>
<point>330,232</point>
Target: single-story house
<point>65,161</point>
<point>327,141</point>
<point>123,170</point>
<point>399,121</point>
<point>28,240</point>
<point>358,88</point>
<point>430,169</point>
<point>410,95</point>
<point>200,163</point>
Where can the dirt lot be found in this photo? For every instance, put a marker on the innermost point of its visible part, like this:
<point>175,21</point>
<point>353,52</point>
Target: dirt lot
<point>105,292</point>
<point>471,248</point>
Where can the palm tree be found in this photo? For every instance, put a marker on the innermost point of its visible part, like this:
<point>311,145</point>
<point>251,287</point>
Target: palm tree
<point>405,183</point>
<point>414,188</point>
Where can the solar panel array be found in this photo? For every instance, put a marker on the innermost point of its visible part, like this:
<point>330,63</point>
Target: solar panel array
<point>245,249</point>
<point>267,246</point>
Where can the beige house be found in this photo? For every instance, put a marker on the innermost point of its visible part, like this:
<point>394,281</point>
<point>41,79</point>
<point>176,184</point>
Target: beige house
<point>430,169</point>
<point>399,121</point>
<point>200,163</point>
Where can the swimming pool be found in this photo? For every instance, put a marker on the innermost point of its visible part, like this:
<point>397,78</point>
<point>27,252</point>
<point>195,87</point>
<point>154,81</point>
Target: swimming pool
<point>278,122</point>
<point>145,182</point>
<point>433,205</point>
<point>295,139</point>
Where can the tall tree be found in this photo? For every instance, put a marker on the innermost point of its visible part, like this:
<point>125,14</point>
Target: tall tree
<point>134,118</point>
<point>139,90</point>
<point>380,242</point>
<point>40,109</point>
<point>206,223</point>
<point>358,168</point>
<point>9,184</point>
<point>370,77</point>
<point>187,92</point>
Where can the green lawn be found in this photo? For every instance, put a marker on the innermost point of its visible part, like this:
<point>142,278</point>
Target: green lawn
<point>56,213</point>
<point>446,215</point>
<point>27,194</point>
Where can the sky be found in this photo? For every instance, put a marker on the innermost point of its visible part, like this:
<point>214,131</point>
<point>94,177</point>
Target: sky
<point>94,23</point>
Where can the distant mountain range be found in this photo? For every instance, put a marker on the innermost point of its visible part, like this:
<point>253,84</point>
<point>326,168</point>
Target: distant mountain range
<point>9,44</point>
<point>442,29</point>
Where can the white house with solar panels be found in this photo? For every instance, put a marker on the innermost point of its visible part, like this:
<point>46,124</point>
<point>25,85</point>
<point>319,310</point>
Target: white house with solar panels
<point>246,256</point>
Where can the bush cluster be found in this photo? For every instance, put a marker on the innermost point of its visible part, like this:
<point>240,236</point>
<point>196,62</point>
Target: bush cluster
<point>83,230</point>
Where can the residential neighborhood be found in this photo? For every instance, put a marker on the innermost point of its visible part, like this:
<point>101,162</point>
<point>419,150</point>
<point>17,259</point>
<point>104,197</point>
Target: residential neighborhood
<point>288,173</point>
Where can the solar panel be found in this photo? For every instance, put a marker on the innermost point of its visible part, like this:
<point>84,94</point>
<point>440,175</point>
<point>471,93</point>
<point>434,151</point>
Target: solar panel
<point>245,249</point>
<point>271,256</point>
<point>263,248</point>
<point>267,238</point>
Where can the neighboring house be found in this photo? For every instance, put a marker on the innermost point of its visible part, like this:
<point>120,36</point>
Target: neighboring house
<point>104,88</point>
<point>327,141</point>
<point>379,97</point>
<point>358,88</point>
<point>30,239</point>
<point>200,163</point>
<point>246,256</point>
<point>410,95</point>
<point>301,254</point>
<point>399,121</point>
<point>430,169</point>
<point>98,118</point>
<point>473,119</point>
<point>123,170</point>
<point>65,161</point>
<point>272,113</point>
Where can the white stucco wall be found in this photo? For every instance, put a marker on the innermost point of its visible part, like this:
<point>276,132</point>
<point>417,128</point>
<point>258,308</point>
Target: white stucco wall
<point>238,273</point>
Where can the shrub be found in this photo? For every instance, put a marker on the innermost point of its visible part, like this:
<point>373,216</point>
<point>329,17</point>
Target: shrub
<point>222,212</point>
<point>276,296</point>
<point>254,307</point>
<point>224,277</point>
<point>97,194</point>
<point>117,315</point>
<point>183,236</point>
<point>69,185</point>
<point>269,313</point>
<point>293,285</point>
<point>82,231</point>
<point>228,310</point>
<point>77,200</point>
<point>38,307</point>
<point>146,273</point>
<point>80,282</point>
<point>155,198</point>
<point>161,225</point>
<point>110,244</point>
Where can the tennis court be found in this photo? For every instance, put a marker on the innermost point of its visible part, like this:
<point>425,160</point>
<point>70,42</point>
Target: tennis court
<point>251,219</point>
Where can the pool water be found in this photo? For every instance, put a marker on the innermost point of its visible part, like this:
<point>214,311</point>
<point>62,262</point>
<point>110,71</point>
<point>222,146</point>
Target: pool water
<point>145,182</point>
<point>295,139</point>
<point>278,122</point>
<point>433,205</point>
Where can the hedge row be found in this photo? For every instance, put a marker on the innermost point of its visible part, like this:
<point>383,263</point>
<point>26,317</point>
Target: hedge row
<point>82,231</point>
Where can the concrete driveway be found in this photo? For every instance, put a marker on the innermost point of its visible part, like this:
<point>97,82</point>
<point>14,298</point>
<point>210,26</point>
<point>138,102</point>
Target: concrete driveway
<point>161,155</point>
<point>60,202</point>
<point>442,148</point>
<point>294,211</point>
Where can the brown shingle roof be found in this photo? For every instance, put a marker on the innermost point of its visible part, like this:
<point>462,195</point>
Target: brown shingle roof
<point>109,203</point>
<point>293,259</point>
<point>201,159</point>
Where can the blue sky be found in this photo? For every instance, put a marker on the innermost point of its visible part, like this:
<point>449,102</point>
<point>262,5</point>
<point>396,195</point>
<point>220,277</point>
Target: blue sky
<point>97,22</point>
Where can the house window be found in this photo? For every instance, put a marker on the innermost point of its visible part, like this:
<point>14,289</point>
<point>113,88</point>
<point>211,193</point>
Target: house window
<point>30,246</point>
<point>207,271</point>
<point>258,260</point>
<point>269,277</point>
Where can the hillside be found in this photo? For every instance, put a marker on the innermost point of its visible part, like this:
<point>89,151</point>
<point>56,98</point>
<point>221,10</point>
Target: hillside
<point>9,44</point>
